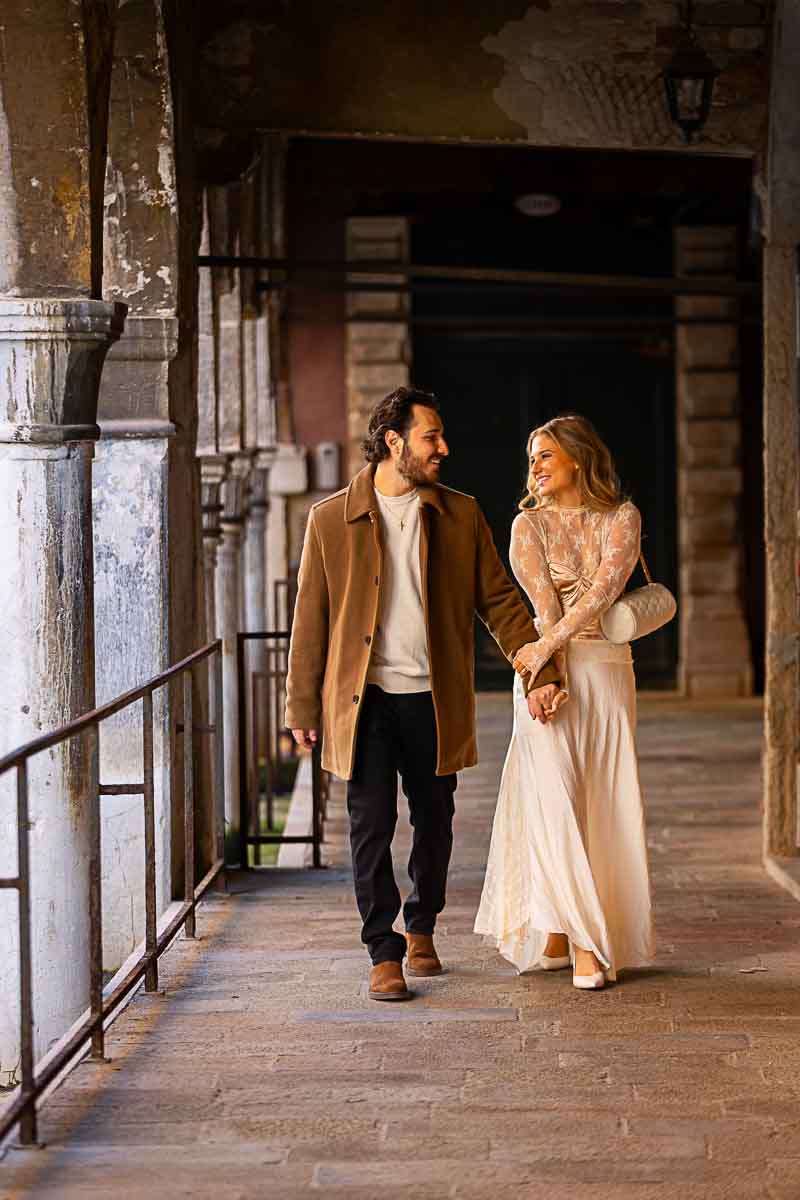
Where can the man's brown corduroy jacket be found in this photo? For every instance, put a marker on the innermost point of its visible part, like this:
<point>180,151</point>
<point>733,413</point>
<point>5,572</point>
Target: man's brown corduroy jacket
<point>338,602</point>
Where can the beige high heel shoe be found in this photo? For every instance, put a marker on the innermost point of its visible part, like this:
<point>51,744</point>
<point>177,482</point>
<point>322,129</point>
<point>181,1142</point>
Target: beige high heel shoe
<point>554,964</point>
<point>589,983</point>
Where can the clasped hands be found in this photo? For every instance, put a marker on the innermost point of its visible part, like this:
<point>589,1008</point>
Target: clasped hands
<point>543,702</point>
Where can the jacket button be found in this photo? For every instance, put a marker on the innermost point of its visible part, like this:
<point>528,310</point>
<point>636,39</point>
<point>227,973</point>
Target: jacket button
<point>355,699</point>
<point>367,639</point>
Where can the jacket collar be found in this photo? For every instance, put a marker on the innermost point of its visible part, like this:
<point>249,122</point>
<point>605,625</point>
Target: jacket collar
<point>361,500</point>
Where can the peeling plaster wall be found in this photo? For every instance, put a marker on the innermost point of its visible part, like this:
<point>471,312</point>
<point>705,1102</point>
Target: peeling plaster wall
<point>586,73</point>
<point>139,250</point>
<point>556,72</point>
<point>129,496</point>
<point>43,495</point>
<point>52,72</point>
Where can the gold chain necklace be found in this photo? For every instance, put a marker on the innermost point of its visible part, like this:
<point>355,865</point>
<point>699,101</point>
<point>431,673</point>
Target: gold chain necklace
<point>402,519</point>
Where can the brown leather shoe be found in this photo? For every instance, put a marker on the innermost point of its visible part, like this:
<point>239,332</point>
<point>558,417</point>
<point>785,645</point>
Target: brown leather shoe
<point>386,982</point>
<point>422,956</point>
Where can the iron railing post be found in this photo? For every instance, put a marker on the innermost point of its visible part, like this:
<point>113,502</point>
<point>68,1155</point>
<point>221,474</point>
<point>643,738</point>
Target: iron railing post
<point>219,755</point>
<point>27,1125</point>
<point>316,803</point>
<point>95,896</point>
<point>150,908</point>
<point>21,1112</point>
<point>241,702</point>
<point>188,804</point>
<point>255,743</point>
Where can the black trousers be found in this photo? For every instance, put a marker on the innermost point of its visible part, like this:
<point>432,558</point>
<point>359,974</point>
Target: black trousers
<point>397,734</point>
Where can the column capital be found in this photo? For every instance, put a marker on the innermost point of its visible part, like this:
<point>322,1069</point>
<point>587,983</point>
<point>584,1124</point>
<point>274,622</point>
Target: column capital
<point>214,468</point>
<point>213,472</point>
<point>233,490</point>
<point>134,394</point>
<point>51,359</point>
<point>242,463</point>
<point>259,487</point>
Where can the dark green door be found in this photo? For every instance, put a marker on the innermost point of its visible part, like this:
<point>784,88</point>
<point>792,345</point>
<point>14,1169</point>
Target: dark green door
<point>493,392</point>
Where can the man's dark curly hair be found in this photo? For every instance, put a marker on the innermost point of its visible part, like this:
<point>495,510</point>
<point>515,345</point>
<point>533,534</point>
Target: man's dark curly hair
<point>393,412</point>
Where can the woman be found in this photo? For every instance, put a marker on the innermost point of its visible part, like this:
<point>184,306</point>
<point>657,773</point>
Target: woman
<point>567,877</point>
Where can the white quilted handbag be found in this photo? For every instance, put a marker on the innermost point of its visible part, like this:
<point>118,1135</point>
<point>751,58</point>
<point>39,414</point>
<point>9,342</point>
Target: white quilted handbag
<point>644,610</point>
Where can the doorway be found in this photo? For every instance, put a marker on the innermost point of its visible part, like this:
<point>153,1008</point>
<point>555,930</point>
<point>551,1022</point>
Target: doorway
<point>494,391</point>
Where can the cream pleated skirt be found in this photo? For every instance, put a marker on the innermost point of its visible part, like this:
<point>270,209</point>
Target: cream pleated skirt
<point>568,852</point>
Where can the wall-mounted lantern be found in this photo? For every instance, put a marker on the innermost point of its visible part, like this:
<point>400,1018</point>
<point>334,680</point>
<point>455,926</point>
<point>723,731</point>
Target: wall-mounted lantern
<point>689,82</point>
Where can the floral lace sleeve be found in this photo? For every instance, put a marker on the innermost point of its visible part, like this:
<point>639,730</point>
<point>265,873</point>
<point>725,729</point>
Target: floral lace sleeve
<point>620,554</point>
<point>528,556</point>
<point>529,563</point>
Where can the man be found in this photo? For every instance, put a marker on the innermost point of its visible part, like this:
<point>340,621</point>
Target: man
<point>394,568</point>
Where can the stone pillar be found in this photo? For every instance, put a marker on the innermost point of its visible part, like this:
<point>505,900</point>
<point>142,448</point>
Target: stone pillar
<point>54,334</point>
<point>228,600</point>
<point>134,544</point>
<point>213,472</point>
<point>781,438</point>
<point>715,656</point>
<point>255,545</point>
<point>213,466</point>
<point>377,351</point>
<point>51,355</point>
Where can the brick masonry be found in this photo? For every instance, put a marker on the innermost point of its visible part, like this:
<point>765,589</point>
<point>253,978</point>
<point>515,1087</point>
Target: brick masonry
<point>714,654</point>
<point>377,349</point>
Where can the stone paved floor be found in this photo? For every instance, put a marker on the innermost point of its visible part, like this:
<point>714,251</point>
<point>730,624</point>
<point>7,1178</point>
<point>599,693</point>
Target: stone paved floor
<point>264,1071</point>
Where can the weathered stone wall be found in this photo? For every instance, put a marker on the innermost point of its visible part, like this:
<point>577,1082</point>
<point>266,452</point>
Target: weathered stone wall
<point>53,340</point>
<point>715,656</point>
<point>54,76</point>
<point>571,73</point>
<point>782,436</point>
<point>377,350</point>
<point>132,536</point>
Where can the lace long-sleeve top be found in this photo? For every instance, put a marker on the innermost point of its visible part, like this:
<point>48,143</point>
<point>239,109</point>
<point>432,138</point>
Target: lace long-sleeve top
<point>573,564</point>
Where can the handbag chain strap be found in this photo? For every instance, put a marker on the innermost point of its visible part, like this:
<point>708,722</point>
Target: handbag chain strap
<point>645,567</point>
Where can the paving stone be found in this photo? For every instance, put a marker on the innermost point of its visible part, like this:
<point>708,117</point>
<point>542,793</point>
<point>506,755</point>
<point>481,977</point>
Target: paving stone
<point>264,1070</point>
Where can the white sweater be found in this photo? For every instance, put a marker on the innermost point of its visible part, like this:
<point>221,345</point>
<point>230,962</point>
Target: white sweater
<point>399,660</point>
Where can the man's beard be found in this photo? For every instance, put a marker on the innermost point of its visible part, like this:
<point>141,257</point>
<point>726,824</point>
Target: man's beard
<point>413,469</point>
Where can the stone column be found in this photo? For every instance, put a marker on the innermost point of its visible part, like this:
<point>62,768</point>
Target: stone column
<point>54,334</point>
<point>228,600</point>
<point>212,472</point>
<point>213,466</point>
<point>377,351</point>
<point>51,355</point>
<point>781,437</point>
<point>241,467</point>
<point>715,655</point>
<point>255,545</point>
<point>134,544</point>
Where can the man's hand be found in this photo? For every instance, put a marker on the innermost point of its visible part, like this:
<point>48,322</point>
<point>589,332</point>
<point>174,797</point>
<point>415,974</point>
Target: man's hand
<point>544,702</point>
<point>307,738</point>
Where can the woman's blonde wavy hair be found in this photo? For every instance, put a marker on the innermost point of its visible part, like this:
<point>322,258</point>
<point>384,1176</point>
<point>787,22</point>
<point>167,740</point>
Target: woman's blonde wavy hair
<point>597,479</point>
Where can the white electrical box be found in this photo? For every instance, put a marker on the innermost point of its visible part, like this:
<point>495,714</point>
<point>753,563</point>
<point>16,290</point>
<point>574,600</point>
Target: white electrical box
<point>326,466</point>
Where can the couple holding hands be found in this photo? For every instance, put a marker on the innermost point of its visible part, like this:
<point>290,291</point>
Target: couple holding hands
<point>394,569</point>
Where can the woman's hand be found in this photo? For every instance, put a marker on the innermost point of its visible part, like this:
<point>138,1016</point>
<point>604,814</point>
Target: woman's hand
<point>529,659</point>
<point>544,702</point>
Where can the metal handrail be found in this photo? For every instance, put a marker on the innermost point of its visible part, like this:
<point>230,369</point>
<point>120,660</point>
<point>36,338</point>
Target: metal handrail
<point>22,1111</point>
<point>246,838</point>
